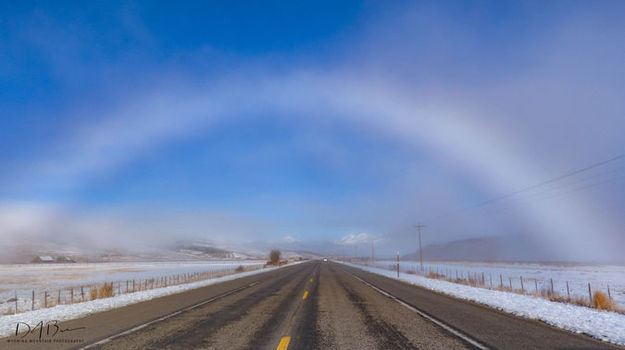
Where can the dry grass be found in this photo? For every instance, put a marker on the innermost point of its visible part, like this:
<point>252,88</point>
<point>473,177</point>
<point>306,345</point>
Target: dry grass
<point>581,301</point>
<point>561,299</point>
<point>106,291</point>
<point>601,302</point>
<point>600,299</point>
<point>433,274</point>
<point>99,291</point>
<point>462,281</point>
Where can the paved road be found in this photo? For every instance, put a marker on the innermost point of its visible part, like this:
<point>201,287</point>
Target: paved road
<point>314,305</point>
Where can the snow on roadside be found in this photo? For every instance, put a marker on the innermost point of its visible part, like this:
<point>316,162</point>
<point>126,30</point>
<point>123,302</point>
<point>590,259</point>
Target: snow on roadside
<point>20,280</point>
<point>603,325</point>
<point>537,276</point>
<point>73,311</point>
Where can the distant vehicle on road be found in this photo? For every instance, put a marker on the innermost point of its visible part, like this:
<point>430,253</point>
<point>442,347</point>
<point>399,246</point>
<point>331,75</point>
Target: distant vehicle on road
<point>325,259</point>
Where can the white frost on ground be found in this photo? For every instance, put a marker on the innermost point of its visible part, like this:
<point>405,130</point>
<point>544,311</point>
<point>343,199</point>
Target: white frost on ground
<point>68,312</point>
<point>603,325</point>
<point>22,279</point>
<point>540,275</point>
<point>53,276</point>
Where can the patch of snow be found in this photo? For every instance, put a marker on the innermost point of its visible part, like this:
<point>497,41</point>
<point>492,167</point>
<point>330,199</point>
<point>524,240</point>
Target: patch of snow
<point>603,325</point>
<point>536,276</point>
<point>21,279</point>
<point>73,311</point>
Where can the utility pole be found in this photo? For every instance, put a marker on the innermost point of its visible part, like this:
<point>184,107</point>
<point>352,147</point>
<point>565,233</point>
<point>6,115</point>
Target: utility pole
<point>398,264</point>
<point>419,227</point>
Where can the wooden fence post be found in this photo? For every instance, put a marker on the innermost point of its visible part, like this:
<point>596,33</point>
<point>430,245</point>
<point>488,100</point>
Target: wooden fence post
<point>589,294</point>
<point>568,294</point>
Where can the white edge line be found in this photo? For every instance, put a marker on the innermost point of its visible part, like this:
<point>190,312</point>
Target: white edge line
<point>175,313</point>
<point>426,316</point>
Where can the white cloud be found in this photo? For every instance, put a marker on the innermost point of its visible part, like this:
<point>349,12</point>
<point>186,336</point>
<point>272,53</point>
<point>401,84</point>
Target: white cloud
<point>359,238</point>
<point>289,239</point>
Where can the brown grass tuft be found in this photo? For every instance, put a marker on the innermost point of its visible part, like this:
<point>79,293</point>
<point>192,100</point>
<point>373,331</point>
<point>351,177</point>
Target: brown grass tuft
<point>601,302</point>
<point>433,274</point>
<point>93,294</point>
<point>239,269</point>
<point>581,301</point>
<point>106,291</point>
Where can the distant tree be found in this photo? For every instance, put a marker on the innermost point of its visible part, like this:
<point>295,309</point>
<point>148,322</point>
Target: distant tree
<point>274,257</point>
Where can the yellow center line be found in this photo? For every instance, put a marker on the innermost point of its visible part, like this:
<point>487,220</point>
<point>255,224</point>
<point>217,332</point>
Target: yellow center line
<point>284,343</point>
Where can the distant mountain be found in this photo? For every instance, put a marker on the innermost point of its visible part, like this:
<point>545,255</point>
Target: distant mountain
<point>499,248</point>
<point>192,250</point>
<point>293,254</point>
<point>203,251</point>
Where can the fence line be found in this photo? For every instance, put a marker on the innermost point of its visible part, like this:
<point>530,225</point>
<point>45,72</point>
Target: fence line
<point>543,288</point>
<point>38,299</point>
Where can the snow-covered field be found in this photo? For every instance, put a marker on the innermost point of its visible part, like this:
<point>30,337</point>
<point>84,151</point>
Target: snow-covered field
<point>535,275</point>
<point>603,325</point>
<point>23,279</point>
<point>67,312</point>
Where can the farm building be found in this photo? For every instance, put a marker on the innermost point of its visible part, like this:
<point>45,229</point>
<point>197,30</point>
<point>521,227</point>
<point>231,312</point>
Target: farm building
<point>65,259</point>
<point>42,259</point>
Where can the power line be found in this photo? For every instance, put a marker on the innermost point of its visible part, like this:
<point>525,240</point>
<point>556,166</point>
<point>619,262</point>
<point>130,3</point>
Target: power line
<point>563,188</point>
<point>577,189</point>
<point>580,181</point>
<point>537,185</point>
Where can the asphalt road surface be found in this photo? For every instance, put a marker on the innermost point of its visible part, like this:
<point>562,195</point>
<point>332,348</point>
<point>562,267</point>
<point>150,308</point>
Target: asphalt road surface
<point>314,305</point>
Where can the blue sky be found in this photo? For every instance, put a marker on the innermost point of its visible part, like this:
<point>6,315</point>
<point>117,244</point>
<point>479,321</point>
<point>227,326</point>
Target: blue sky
<point>243,121</point>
